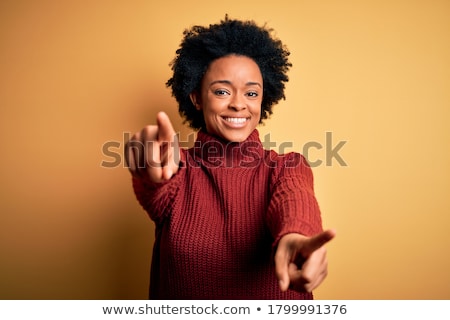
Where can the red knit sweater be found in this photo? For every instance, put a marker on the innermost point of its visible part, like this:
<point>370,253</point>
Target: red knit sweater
<point>218,220</point>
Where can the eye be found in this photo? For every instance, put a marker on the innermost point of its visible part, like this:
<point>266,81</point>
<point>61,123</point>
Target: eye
<point>252,94</point>
<point>220,92</point>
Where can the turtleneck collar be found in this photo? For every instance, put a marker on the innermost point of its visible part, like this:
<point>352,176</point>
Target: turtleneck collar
<point>216,152</point>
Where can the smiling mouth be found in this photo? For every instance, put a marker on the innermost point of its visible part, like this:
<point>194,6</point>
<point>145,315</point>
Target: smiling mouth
<point>235,120</point>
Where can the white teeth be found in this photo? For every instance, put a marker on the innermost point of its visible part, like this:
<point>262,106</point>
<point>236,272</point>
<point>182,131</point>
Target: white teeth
<point>236,120</point>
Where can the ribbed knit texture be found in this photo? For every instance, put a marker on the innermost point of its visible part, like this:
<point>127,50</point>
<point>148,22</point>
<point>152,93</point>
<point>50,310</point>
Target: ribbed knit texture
<point>218,220</point>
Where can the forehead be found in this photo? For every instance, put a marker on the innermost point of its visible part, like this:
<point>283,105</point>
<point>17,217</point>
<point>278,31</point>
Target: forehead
<point>234,67</point>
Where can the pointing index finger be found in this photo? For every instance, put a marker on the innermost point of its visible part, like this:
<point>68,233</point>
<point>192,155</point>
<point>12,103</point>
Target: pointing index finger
<point>166,131</point>
<point>168,142</point>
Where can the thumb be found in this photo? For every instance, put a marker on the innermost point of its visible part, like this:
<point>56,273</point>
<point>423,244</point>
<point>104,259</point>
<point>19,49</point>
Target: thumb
<point>282,260</point>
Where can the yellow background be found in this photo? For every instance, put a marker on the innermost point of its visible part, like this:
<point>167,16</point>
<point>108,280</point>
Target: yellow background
<point>77,74</point>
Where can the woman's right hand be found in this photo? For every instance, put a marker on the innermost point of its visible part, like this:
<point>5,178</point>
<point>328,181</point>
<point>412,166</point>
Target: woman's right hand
<point>153,153</point>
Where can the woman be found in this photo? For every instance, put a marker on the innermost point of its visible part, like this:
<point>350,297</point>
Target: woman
<point>233,221</point>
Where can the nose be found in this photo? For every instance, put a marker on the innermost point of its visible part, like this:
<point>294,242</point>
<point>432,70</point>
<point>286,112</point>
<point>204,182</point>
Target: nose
<point>237,103</point>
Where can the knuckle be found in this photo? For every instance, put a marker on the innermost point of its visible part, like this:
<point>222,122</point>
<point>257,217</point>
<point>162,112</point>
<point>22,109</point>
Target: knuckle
<point>148,132</point>
<point>132,140</point>
<point>154,175</point>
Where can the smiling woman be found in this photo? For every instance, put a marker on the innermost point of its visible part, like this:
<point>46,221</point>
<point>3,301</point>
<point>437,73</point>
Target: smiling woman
<point>233,221</point>
<point>373,74</point>
<point>230,97</point>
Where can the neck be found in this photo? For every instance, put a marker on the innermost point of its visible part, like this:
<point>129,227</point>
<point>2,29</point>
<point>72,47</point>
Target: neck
<point>217,152</point>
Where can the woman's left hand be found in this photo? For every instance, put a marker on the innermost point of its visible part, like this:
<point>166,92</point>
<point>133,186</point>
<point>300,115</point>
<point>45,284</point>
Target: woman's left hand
<point>300,262</point>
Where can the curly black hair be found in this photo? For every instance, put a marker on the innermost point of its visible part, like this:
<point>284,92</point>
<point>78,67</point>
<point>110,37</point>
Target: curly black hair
<point>202,45</point>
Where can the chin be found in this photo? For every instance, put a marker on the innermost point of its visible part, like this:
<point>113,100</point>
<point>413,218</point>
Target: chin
<point>240,137</point>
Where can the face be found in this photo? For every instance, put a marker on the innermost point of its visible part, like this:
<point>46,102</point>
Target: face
<point>230,97</point>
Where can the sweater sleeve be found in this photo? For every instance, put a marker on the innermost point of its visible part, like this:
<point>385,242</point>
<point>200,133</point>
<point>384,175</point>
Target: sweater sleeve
<point>293,207</point>
<point>157,199</point>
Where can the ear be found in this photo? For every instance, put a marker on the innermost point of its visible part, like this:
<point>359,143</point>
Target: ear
<point>195,99</point>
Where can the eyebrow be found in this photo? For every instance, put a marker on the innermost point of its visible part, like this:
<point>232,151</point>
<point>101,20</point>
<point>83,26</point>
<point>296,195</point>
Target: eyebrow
<point>250,83</point>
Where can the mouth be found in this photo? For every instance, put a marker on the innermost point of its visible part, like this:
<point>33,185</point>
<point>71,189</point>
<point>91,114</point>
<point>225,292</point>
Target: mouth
<point>236,120</point>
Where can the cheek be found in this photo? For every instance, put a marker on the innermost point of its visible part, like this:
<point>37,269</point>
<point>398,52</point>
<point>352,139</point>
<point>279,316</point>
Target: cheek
<point>257,108</point>
<point>210,117</point>
<point>209,112</point>
<point>214,106</point>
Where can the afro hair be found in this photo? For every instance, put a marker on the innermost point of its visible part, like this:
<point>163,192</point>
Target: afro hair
<point>202,45</point>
